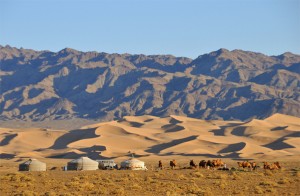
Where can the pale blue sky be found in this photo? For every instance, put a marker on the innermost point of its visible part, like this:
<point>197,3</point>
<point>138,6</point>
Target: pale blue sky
<point>179,27</point>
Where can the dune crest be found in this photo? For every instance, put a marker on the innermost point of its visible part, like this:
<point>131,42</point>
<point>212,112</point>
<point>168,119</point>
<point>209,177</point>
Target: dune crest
<point>277,136</point>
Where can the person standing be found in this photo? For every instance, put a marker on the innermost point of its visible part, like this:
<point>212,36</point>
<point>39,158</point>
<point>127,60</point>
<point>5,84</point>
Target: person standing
<point>160,165</point>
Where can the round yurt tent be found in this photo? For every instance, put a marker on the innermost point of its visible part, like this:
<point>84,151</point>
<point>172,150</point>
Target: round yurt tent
<point>133,164</point>
<point>83,163</point>
<point>32,165</point>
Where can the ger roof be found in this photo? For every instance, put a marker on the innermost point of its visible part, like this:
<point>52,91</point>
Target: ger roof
<point>83,160</point>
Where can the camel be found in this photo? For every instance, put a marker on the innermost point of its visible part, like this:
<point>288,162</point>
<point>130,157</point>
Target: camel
<point>244,164</point>
<point>217,163</point>
<point>173,164</point>
<point>202,164</point>
<point>266,165</point>
<point>253,165</point>
<point>273,166</point>
<point>277,164</point>
<point>192,164</point>
<point>209,164</point>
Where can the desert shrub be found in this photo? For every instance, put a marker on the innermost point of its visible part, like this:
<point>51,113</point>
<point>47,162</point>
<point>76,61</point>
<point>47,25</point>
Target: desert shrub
<point>268,173</point>
<point>237,192</point>
<point>15,177</point>
<point>296,169</point>
<point>118,191</point>
<point>125,179</point>
<point>5,178</point>
<point>168,193</point>
<point>50,193</point>
<point>198,175</point>
<point>270,190</point>
<point>20,185</point>
<point>107,180</point>
<point>297,174</point>
<point>75,179</point>
<point>232,172</point>
<point>83,177</point>
<point>26,178</point>
<point>65,194</point>
<point>221,184</point>
<point>99,191</point>
<point>72,184</point>
<point>42,174</point>
<point>207,193</point>
<point>135,186</point>
<point>29,184</point>
<point>194,189</point>
<point>64,187</point>
<point>283,181</point>
<point>87,186</point>
<point>268,183</point>
<point>260,174</point>
<point>182,177</point>
<point>174,187</point>
<point>235,176</point>
<point>258,190</point>
<point>157,175</point>
<point>131,175</point>
<point>172,193</point>
<point>221,176</point>
<point>149,179</point>
<point>28,193</point>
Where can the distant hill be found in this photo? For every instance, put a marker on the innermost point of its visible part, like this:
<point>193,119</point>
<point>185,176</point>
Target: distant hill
<point>38,85</point>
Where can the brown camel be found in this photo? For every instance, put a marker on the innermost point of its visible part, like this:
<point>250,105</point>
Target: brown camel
<point>192,164</point>
<point>173,164</point>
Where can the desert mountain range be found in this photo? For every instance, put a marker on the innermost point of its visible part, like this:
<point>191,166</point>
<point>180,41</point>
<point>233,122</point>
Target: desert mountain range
<point>227,85</point>
<point>277,137</point>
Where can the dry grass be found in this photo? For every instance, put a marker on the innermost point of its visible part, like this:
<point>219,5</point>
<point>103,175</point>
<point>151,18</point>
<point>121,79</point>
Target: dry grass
<point>165,182</point>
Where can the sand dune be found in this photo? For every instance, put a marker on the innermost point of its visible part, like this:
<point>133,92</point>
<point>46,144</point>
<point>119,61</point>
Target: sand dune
<point>277,136</point>
<point>282,118</point>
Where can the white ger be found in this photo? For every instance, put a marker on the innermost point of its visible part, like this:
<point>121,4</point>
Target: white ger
<point>133,164</point>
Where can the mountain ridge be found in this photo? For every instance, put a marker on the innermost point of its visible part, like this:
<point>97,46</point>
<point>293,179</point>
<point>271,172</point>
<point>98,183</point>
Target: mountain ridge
<point>223,84</point>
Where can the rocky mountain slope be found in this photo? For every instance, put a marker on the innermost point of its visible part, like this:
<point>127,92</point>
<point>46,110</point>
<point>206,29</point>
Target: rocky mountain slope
<point>38,85</point>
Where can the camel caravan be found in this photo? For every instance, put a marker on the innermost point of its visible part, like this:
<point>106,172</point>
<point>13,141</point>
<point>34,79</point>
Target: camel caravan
<point>220,165</point>
<point>214,164</point>
<point>254,166</point>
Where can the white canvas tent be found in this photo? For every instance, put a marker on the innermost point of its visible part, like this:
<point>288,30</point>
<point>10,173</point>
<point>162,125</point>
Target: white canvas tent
<point>83,163</point>
<point>133,164</point>
<point>32,165</point>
